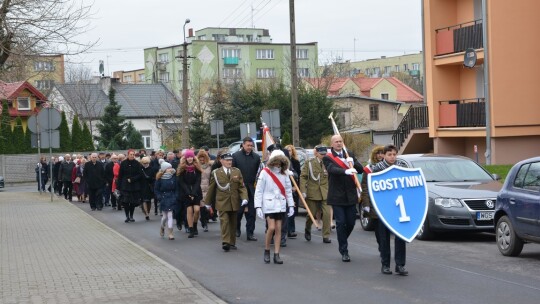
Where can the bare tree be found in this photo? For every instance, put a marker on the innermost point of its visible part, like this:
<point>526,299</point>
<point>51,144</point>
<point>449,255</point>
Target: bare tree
<point>40,27</point>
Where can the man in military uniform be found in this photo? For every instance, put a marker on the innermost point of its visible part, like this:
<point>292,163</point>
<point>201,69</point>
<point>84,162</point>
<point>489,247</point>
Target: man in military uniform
<point>227,190</point>
<point>314,188</point>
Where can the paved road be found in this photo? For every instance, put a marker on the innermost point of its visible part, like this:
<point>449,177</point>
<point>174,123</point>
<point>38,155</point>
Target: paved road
<point>51,252</point>
<point>453,269</point>
<point>459,269</point>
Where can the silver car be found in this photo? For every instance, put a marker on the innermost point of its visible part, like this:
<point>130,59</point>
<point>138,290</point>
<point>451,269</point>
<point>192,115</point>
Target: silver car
<point>462,194</point>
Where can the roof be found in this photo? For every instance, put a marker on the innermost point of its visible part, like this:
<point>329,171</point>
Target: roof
<point>366,84</point>
<point>404,92</point>
<point>353,96</point>
<point>11,90</point>
<point>137,100</point>
<point>333,88</point>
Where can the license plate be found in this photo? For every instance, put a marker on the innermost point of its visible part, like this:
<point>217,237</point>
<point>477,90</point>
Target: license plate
<point>484,216</point>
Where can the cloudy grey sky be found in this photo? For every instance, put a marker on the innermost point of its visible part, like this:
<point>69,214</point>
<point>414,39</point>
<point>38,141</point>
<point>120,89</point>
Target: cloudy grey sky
<point>350,29</point>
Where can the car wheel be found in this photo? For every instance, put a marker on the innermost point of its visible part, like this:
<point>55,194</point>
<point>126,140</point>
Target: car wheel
<point>507,240</point>
<point>367,223</point>
<point>425,232</point>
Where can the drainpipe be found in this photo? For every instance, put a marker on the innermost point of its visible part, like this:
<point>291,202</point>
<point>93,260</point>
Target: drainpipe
<point>486,82</point>
<point>423,52</point>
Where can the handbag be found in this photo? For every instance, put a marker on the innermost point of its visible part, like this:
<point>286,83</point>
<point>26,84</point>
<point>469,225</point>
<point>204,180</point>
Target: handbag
<point>77,180</point>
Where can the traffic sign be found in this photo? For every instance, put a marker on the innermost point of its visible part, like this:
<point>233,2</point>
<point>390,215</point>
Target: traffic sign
<point>49,118</point>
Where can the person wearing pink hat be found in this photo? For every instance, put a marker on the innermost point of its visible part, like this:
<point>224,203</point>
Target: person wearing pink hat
<point>189,182</point>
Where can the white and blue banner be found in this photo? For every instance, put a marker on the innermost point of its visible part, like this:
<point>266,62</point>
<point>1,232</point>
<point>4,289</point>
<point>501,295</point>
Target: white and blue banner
<point>400,198</point>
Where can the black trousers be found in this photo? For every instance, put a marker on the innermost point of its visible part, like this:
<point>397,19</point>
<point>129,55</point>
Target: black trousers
<point>250,214</point>
<point>95,198</point>
<point>384,246</point>
<point>345,220</point>
<point>68,190</point>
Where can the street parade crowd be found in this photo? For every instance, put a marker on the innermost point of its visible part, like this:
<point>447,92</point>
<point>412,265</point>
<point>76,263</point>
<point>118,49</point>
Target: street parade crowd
<point>189,187</point>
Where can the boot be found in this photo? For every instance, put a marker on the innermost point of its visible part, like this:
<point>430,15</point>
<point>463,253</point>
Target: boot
<point>267,256</point>
<point>195,231</point>
<point>277,259</point>
<point>191,233</point>
<point>171,235</point>
<point>162,231</point>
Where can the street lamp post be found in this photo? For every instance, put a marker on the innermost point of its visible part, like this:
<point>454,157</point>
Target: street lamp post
<point>185,93</point>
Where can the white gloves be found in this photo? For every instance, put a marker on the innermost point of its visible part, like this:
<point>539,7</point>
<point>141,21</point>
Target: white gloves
<point>289,172</point>
<point>366,209</point>
<point>260,214</point>
<point>350,160</point>
<point>304,195</point>
<point>350,171</point>
<point>244,202</point>
<point>291,212</point>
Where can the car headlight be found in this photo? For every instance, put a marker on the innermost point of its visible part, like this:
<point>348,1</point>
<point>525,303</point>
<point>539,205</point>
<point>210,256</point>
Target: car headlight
<point>448,202</point>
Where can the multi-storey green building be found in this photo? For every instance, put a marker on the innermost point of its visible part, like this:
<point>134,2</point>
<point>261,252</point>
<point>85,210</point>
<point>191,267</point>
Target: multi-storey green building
<point>228,55</point>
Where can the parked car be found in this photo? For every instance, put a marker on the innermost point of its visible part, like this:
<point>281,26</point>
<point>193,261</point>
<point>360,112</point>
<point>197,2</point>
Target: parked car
<point>461,194</point>
<point>517,210</point>
<point>2,182</point>
<point>235,146</point>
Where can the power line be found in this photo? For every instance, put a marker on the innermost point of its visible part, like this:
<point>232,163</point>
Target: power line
<point>232,13</point>
<point>242,21</point>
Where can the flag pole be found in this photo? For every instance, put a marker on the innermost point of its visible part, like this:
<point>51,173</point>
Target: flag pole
<point>351,165</point>
<point>270,139</point>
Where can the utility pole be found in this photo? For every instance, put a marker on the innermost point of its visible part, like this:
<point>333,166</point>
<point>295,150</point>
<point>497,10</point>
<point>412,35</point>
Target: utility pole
<point>294,80</point>
<point>185,93</point>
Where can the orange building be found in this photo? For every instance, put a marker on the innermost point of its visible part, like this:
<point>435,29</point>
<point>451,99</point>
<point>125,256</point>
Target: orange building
<point>505,77</point>
<point>23,100</point>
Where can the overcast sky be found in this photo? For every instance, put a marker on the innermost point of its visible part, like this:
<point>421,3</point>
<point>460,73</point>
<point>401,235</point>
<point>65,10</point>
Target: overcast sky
<point>350,29</point>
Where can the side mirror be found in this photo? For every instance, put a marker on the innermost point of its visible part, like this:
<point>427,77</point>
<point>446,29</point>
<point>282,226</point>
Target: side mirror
<point>496,176</point>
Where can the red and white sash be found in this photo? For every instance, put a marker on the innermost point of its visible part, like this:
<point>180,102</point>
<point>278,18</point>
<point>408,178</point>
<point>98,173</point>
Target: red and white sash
<point>339,162</point>
<point>277,181</point>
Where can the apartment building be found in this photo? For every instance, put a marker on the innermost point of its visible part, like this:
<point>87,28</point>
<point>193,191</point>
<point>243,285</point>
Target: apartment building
<point>492,106</point>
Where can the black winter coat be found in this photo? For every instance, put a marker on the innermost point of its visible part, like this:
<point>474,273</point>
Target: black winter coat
<point>65,171</point>
<point>130,176</point>
<point>149,177</point>
<point>341,187</point>
<point>190,184</point>
<point>94,175</point>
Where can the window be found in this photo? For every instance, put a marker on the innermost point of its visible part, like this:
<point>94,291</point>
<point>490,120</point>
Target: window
<point>180,75</point>
<point>416,66</point>
<point>202,37</point>
<point>265,54</point>
<point>303,72</point>
<point>128,78</point>
<point>142,77</point>
<point>405,67</point>
<point>528,177</point>
<point>387,70</point>
<point>396,68</point>
<point>219,37</point>
<point>43,66</point>
<point>249,38</point>
<point>227,53</point>
<point>373,112</point>
<point>146,138</point>
<point>232,72</point>
<point>384,96</point>
<point>44,84</point>
<point>302,54</point>
<point>23,103</point>
<point>164,77</point>
<point>163,57</point>
<point>376,72</point>
<point>266,73</point>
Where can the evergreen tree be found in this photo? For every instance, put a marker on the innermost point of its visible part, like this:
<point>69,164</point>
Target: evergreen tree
<point>65,136</point>
<point>28,142</point>
<point>5,130</point>
<point>286,139</point>
<point>199,131</point>
<point>87,142</point>
<point>111,125</point>
<point>76,135</point>
<point>133,137</point>
<point>18,137</point>
<point>314,108</point>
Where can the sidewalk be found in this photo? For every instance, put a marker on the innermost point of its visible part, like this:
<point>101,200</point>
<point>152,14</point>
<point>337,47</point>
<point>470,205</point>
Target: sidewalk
<point>52,252</point>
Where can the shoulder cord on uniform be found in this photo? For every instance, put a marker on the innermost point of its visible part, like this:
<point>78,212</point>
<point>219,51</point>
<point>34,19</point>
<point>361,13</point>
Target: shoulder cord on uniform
<point>311,173</point>
<point>220,187</point>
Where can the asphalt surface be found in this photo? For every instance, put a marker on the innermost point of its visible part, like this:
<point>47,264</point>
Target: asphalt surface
<point>456,268</point>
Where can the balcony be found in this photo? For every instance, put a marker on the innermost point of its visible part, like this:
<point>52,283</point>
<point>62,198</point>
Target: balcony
<point>462,113</point>
<point>458,38</point>
<point>230,60</point>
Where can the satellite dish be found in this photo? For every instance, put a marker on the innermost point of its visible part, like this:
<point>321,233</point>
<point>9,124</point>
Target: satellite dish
<point>469,60</point>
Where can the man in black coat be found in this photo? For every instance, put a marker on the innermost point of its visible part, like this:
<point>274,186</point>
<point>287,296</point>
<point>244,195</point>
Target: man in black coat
<point>64,176</point>
<point>248,161</point>
<point>342,191</point>
<point>94,172</point>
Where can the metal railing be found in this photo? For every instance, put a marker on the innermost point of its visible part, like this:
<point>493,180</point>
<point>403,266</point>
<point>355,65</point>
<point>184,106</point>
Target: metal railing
<point>469,112</point>
<point>415,118</point>
<point>463,36</point>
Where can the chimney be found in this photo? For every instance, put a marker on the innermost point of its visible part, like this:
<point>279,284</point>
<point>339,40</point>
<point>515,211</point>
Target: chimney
<point>105,83</point>
<point>190,32</point>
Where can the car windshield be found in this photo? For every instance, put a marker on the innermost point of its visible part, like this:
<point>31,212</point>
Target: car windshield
<point>451,170</point>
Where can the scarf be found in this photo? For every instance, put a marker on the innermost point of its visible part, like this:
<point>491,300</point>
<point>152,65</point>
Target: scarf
<point>168,175</point>
<point>190,168</point>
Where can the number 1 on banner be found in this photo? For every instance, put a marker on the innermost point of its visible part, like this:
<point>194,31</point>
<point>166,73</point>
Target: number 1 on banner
<point>404,217</point>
